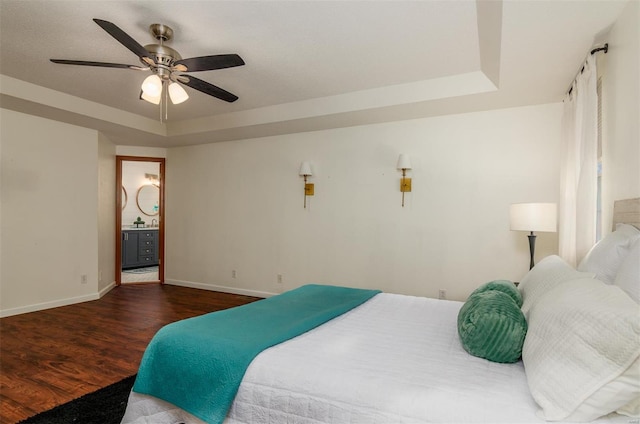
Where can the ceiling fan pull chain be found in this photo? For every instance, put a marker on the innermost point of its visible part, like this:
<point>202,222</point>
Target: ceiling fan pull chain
<point>166,101</point>
<point>160,108</point>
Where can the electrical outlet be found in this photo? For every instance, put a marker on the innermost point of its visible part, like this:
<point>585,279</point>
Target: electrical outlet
<point>234,274</point>
<point>442,294</point>
<point>83,279</point>
<point>279,278</point>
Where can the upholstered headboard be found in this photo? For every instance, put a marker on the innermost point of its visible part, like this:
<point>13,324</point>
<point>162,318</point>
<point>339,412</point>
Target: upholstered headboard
<point>626,211</point>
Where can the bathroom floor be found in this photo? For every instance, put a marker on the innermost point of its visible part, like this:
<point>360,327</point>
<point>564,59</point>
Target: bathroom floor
<point>140,275</point>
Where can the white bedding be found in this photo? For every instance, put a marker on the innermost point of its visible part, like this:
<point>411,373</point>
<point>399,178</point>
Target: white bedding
<point>394,359</point>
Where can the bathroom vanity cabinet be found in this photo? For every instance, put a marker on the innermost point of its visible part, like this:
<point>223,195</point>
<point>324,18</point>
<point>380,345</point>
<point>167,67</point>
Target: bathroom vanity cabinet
<point>139,248</point>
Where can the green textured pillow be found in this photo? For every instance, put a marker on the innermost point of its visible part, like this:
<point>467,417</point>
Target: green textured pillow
<point>505,286</point>
<point>492,326</point>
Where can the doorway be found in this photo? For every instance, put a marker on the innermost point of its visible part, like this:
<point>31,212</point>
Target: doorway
<point>139,219</point>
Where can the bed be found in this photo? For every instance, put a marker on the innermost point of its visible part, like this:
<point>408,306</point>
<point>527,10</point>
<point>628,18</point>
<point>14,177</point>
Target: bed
<point>390,358</point>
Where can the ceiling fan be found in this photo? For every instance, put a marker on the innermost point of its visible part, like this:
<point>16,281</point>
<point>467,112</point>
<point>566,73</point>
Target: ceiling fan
<point>166,65</point>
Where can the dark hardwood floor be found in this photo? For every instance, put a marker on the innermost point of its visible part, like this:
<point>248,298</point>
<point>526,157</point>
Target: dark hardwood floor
<point>51,357</point>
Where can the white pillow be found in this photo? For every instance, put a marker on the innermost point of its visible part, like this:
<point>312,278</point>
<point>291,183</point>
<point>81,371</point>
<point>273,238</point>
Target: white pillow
<point>607,397</point>
<point>605,257</point>
<point>546,274</point>
<point>628,276</point>
<point>581,351</point>
<point>631,409</point>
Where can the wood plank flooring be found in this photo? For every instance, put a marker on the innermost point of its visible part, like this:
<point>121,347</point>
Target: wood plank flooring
<point>51,357</point>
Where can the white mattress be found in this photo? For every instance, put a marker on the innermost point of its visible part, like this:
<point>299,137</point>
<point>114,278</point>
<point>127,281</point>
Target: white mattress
<point>394,359</point>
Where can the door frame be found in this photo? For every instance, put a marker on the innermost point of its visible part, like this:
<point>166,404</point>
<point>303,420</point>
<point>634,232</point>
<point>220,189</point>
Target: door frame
<point>161,214</point>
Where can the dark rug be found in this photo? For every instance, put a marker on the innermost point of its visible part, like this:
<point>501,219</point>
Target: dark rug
<point>104,406</point>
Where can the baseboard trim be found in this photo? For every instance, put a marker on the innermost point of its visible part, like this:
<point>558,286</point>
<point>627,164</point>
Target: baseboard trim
<point>213,287</point>
<point>95,296</point>
<point>107,289</point>
<point>48,305</point>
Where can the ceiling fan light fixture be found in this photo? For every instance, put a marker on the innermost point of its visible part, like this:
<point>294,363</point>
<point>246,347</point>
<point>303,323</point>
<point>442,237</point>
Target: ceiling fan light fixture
<point>151,99</point>
<point>152,86</point>
<point>166,66</point>
<point>177,93</point>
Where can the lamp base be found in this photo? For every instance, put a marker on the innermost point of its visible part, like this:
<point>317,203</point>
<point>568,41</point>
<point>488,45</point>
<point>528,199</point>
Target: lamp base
<point>532,247</point>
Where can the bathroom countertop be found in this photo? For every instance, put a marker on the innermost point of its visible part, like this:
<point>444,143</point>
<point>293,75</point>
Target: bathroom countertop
<point>138,228</point>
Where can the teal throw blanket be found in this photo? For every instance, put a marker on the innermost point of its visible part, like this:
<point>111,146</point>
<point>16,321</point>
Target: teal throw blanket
<point>197,364</point>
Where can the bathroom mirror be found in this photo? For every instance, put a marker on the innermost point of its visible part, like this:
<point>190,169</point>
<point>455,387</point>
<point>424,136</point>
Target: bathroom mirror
<point>148,199</point>
<point>125,198</point>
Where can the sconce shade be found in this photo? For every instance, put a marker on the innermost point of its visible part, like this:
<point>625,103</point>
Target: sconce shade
<point>152,86</point>
<point>533,217</point>
<point>305,169</point>
<point>177,93</point>
<point>403,162</point>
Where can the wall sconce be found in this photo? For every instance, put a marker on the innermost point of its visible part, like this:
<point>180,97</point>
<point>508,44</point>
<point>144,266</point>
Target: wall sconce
<point>533,217</point>
<point>305,171</point>
<point>152,178</point>
<point>405,183</point>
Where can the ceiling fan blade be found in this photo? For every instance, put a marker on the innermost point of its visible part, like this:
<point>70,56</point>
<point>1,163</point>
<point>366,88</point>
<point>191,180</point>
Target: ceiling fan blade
<point>123,38</point>
<point>100,64</point>
<point>208,88</point>
<point>209,63</point>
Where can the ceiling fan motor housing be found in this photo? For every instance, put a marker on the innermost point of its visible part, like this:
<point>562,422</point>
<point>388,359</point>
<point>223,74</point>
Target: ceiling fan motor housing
<point>162,55</point>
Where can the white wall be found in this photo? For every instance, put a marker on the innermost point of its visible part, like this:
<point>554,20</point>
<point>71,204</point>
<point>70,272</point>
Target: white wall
<point>49,213</point>
<point>621,111</point>
<point>239,205</point>
<point>106,212</point>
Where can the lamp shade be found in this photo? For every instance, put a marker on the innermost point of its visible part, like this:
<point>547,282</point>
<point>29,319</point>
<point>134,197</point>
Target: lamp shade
<point>533,217</point>
<point>403,162</point>
<point>305,169</point>
<point>177,93</point>
<point>151,99</point>
<point>152,86</point>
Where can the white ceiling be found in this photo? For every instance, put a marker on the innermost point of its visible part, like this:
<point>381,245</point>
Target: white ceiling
<point>309,64</point>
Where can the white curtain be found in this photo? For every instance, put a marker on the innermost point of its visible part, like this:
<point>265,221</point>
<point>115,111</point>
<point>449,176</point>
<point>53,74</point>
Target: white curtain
<point>578,173</point>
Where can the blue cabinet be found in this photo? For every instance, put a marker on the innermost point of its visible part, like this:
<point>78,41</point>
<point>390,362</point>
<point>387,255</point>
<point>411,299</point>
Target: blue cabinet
<point>139,248</point>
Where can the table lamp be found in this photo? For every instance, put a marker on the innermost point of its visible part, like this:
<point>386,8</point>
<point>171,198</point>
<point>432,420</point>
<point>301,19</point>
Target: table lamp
<point>542,217</point>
